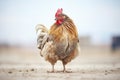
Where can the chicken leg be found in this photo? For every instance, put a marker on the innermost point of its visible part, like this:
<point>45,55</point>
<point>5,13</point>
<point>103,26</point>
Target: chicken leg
<point>64,68</point>
<point>52,68</point>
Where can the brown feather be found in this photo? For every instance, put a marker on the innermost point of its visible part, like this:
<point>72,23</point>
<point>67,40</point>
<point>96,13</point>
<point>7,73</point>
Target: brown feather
<point>65,38</point>
<point>62,42</point>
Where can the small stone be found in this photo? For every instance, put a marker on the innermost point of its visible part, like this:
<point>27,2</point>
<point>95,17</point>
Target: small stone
<point>10,72</point>
<point>32,69</point>
<point>83,72</point>
<point>26,70</point>
<point>105,73</point>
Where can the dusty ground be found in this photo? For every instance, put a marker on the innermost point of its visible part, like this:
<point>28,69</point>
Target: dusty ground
<point>93,63</point>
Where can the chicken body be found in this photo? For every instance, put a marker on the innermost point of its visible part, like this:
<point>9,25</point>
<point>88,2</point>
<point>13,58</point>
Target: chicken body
<point>60,43</point>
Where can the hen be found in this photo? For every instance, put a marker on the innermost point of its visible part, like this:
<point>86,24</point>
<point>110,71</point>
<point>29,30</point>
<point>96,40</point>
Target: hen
<point>61,42</point>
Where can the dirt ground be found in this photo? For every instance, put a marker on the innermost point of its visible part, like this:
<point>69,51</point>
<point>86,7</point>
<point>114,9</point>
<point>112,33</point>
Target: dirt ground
<point>93,63</point>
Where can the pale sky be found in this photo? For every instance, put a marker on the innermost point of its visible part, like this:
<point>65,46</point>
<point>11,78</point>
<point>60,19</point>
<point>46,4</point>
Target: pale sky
<point>99,19</point>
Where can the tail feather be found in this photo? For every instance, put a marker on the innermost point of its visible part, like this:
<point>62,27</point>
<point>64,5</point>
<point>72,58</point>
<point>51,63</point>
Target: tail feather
<point>42,27</point>
<point>42,35</point>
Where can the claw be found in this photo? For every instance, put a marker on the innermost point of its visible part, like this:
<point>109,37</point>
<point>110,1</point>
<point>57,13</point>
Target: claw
<point>67,71</point>
<point>50,71</point>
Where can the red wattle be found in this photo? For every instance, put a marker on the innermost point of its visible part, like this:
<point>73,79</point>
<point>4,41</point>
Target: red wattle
<point>59,22</point>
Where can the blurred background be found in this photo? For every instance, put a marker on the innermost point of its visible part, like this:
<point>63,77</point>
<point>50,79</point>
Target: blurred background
<point>97,21</point>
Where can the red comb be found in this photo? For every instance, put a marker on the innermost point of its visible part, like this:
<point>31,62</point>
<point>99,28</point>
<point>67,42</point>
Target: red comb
<point>59,11</point>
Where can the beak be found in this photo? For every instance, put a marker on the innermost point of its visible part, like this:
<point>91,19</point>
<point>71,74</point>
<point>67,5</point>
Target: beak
<point>55,18</point>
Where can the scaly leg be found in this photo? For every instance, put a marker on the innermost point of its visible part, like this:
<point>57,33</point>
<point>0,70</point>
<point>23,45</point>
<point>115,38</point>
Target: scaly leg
<point>64,68</point>
<point>52,68</point>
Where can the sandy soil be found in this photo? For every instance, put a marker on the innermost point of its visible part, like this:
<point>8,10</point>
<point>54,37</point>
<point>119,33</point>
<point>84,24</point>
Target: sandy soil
<point>93,63</point>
